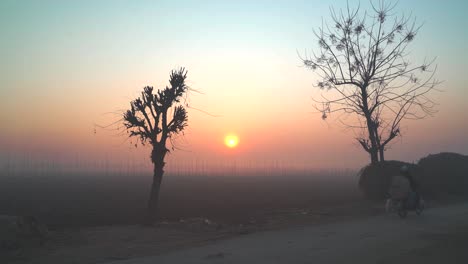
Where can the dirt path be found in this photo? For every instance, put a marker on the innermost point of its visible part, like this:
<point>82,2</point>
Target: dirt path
<point>380,239</point>
<point>101,244</point>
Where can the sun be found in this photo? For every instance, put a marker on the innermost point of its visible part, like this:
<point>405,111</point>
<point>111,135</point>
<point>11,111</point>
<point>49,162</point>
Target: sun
<point>231,141</point>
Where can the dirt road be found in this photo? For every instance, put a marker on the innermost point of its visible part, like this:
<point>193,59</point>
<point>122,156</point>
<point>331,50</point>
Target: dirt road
<point>440,235</point>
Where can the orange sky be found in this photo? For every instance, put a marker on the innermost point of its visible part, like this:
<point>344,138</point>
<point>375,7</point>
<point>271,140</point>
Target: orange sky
<point>59,79</point>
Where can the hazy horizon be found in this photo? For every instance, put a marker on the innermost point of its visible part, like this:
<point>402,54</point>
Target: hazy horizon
<point>67,66</point>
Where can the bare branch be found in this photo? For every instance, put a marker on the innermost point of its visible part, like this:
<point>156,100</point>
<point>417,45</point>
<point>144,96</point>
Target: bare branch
<point>362,61</point>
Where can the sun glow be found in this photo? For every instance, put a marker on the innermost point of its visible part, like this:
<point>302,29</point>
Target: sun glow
<point>231,141</point>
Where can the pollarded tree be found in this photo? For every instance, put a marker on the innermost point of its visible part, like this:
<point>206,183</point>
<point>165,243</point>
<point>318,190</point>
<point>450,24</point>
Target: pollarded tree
<point>363,61</point>
<point>154,118</point>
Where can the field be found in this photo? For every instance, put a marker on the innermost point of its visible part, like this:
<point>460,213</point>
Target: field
<point>97,218</point>
<point>96,200</point>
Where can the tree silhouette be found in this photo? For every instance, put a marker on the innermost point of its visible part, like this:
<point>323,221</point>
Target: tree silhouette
<point>362,60</point>
<point>153,118</point>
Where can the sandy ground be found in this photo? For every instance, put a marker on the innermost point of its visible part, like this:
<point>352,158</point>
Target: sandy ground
<point>438,236</point>
<point>359,231</point>
<point>101,244</point>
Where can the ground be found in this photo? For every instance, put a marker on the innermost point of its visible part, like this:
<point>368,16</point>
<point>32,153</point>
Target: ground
<point>438,236</point>
<point>95,219</point>
<point>110,243</point>
<point>117,242</point>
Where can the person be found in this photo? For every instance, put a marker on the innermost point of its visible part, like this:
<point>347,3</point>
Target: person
<point>399,188</point>
<point>414,195</point>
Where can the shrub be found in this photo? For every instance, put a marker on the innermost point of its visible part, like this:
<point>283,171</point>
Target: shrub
<point>445,173</point>
<point>375,179</point>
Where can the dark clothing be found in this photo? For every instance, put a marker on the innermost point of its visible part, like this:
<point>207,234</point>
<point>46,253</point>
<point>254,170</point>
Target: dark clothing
<point>412,182</point>
<point>414,188</point>
<point>413,185</point>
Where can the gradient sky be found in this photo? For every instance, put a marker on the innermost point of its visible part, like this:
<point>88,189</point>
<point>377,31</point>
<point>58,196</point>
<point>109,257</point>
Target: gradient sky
<point>66,64</point>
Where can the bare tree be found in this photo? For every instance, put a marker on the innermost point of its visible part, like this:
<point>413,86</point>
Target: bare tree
<point>153,118</point>
<point>363,61</point>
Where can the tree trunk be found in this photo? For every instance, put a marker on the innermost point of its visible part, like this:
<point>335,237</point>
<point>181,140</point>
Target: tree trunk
<point>380,148</point>
<point>373,151</point>
<point>374,157</point>
<point>381,152</point>
<point>152,211</point>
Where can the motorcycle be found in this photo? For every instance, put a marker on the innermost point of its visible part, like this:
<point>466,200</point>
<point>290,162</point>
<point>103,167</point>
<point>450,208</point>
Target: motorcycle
<point>402,206</point>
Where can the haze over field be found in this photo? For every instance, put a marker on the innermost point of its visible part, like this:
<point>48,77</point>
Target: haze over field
<point>66,65</point>
<point>233,131</point>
